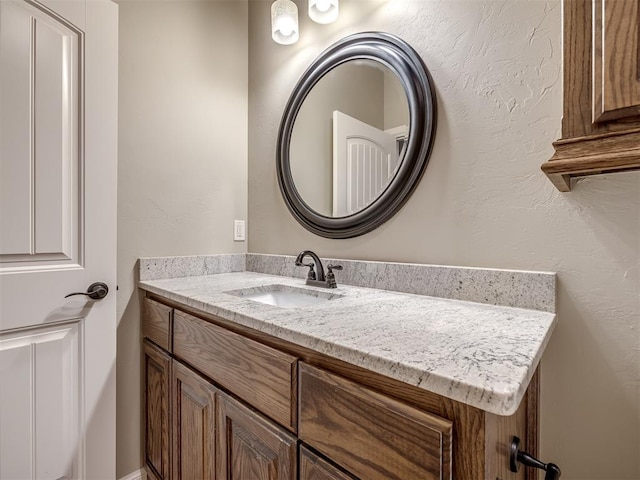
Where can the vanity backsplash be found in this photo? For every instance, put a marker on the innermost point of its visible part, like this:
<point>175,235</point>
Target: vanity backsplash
<point>509,288</point>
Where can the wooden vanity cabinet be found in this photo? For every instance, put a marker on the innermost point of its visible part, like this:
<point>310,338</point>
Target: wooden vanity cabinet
<point>310,416</point>
<point>601,101</point>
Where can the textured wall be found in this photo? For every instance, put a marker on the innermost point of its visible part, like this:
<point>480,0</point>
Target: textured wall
<point>182,158</point>
<point>484,201</point>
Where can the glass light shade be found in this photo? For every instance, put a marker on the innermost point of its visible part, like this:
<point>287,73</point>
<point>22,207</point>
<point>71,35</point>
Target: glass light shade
<point>323,11</point>
<point>284,22</point>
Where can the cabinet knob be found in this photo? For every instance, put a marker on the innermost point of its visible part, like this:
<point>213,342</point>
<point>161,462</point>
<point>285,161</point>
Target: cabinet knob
<point>517,457</point>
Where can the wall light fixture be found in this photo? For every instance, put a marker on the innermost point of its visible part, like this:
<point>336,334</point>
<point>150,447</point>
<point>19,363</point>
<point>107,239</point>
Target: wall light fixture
<point>323,11</point>
<point>284,22</point>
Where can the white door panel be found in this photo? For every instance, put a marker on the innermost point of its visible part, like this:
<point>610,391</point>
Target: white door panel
<point>58,141</point>
<point>55,138</point>
<point>39,147</point>
<point>38,414</point>
<point>15,129</point>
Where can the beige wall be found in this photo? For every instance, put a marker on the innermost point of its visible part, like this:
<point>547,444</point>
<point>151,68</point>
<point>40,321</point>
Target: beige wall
<point>182,158</point>
<point>396,108</point>
<point>484,202</point>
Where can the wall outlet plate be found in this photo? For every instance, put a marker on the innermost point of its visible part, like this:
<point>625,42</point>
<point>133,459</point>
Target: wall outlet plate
<point>238,230</point>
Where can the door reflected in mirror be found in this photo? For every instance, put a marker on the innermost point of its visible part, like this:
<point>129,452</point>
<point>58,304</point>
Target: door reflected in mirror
<point>348,138</point>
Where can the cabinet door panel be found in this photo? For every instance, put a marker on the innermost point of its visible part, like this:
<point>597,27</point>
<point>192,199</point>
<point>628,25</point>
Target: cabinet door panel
<point>194,428</point>
<point>616,66</point>
<point>312,467</point>
<point>252,447</point>
<point>157,377</point>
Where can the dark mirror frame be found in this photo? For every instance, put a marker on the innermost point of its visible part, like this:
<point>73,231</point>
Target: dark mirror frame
<point>398,56</point>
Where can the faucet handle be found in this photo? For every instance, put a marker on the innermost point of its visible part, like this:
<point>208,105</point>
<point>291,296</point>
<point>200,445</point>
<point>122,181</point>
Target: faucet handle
<point>331,278</point>
<point>311,275</point>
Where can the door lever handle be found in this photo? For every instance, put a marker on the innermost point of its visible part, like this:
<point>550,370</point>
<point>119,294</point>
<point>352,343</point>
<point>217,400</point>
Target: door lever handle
<point>96,291</point>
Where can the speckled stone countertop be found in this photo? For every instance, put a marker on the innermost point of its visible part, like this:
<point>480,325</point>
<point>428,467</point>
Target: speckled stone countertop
<point>482,355</point>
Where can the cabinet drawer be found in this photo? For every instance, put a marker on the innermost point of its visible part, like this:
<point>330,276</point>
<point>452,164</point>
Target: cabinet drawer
<point>156,323</point>
<point>260,375</point>
<point>369,434</point>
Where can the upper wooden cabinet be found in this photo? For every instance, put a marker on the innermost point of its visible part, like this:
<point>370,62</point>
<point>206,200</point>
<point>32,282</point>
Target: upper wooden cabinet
<point>601,114</point>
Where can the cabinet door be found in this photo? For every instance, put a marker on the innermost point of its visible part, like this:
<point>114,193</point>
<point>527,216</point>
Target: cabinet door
<point>313,467</point>
<point>157,377</point>
<point>194,428</point>
<point>252,447</point>
<point>369,434</point>
<point>616,89</point>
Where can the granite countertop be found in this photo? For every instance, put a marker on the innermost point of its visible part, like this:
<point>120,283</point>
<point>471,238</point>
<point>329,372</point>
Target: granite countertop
<point>478,354</point>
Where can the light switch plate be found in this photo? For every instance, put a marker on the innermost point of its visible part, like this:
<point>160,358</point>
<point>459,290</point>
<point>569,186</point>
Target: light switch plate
<point>238,230</point>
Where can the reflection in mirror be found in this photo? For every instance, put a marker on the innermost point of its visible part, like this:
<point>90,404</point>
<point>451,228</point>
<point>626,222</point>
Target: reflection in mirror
<point>348,137</point>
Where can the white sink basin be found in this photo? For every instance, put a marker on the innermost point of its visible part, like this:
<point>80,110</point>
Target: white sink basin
<point>284,296</point>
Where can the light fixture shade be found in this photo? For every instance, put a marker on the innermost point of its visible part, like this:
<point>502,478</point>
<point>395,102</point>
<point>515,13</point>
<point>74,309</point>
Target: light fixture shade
<point>323,11</point>
<point>284,22</point>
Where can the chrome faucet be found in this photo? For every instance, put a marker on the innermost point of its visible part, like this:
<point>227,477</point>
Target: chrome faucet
<point>319,279</point>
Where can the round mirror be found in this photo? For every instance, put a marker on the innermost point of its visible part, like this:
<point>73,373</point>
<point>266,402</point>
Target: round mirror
<point>356,135</point>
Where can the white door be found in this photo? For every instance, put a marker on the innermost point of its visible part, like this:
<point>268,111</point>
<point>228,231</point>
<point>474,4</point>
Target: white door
<point>58,147</point>
<point>364,162</point>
